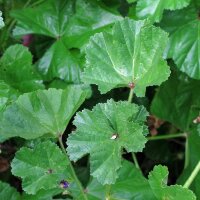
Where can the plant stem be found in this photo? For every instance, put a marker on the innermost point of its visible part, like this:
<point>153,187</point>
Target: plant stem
<point>192,176</point>
<point>72,169</point>
<point>169,136</point>
<point>108,187</point>
<point>135,161</point>
<point>130,98</point>
<point>186,153</point>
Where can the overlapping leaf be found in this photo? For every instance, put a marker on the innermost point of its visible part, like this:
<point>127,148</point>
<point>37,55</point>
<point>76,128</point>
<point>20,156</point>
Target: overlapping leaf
<point>104,132</point>
<point>153,9</point>
<point>17,71</point>
<point>59,62</point>
<point>131,54</point>
<point>184,43</point>
<point>7,94</point>
<point>43,167</point>
<point>8,193</point>
<point>131,184</point>
<point>178,101</point>
<point>43,112</point>
<point>77,21</point>
<point>158,184</point>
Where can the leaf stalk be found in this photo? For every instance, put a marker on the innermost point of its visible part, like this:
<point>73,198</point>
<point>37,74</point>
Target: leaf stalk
<point>130,98</point>
<point>192,176</point>
<point>72,169</point>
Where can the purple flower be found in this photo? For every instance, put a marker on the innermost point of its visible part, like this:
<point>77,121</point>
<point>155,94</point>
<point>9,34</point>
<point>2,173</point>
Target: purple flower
<point>64,184</point>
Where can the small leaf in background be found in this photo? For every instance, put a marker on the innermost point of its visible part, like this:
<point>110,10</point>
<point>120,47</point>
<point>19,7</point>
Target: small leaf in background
<point>43,167</point>
<point>158,184</point>
<point>132,54</point>
<point>104,132</point>
<point>1,21</point>
<point>39,113</point>
<point>154,9</point>
<point>59,62</point>
<point>184,45</point>
<point>16,69</point>
<point>8,193</point>
<point>131,184</point>
<point>178,101</point>
<point>58,18</point>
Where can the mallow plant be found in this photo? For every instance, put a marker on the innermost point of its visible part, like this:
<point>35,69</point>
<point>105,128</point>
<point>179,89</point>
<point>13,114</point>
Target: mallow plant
<point>101,101</point>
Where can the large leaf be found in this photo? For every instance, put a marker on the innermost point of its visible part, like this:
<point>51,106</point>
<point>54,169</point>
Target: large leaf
<point>43,167</point>
<point>43,112</point>
<point>104,132</point>
<point>1,21</point>
<point>59,62</point>
<point>178,101</point>
<point>153,9</point>
<point>158,184</point>
<point>16,69</point>
<point>131,184</point>
<point>184,43</point>
<point>8,193</point>
<point>74,20</point>
<point>131,54</point>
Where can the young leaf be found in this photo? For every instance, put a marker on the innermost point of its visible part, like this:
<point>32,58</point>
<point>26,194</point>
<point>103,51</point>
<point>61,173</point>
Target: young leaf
<point>158,184</point>
<point>16,69</point>
<point>1,21</point>
<point>43,112</point>
<point>184,40</point>
<point>43,167</point>
<point>181,95</point>
<point>153,9</point>
<point>77,21</point>
<point>104,132</point>
<point>131,184</point>
<point>131,54</point>
<point>59,62</point>
<point>8,193</point>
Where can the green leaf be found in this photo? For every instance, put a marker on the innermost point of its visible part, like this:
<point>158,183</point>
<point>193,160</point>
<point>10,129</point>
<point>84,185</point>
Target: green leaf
<point>8,193</point>
<point>154,9</point>
<point>131,184</point>
<point>131,1</point>
<point>193,158</point>
<point>43,112</point>
<point>16,69</point>
<point>40,168</point>
<point>104,132</point>
<point>158,184</point>
<point>178,101</point>
<point>131,54</point>
<point>7,94</point>
<point>1,21</point>
<point>59,62</point>
<point>77,21</point>
<point>184,40</point>
<point>42,194</point>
